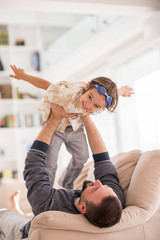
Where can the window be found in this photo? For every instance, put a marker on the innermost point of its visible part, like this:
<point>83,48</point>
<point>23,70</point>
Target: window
<point>147,95</point>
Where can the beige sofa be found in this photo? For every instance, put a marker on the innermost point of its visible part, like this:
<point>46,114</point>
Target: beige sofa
<point>140,178</point>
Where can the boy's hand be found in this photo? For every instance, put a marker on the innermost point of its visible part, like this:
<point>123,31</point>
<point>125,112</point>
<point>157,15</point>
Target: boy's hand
<point>18,72</point>
<point>125,91</point>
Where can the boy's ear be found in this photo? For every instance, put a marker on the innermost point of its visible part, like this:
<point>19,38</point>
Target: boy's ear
<point>87,85</point>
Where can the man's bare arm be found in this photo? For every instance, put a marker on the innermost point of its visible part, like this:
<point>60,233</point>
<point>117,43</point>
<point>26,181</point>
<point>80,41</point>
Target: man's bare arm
<point>47,131</point>
<point>94,137</point>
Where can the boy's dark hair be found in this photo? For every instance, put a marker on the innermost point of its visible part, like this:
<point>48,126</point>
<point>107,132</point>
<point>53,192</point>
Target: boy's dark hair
<point>106,214</point>
<point>111,89</point>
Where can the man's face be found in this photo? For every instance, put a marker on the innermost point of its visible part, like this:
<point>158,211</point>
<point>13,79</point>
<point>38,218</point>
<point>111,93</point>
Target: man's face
<point>91,101</point>
<point>95,192</point>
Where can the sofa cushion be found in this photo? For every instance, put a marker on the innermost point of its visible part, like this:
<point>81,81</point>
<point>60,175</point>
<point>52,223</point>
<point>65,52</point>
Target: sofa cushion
<point>144,188</point>
<point>125,164</point>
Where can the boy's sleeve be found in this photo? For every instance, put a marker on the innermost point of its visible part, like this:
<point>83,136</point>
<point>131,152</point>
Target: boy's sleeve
<point>52,95</point>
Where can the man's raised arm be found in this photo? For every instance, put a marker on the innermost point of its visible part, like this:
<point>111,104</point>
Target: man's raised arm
<point>94,137</point>
<point>51,124</point>
<point>40,191</point>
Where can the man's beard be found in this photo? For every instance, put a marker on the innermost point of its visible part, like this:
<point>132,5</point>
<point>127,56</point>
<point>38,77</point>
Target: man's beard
<point>85,184</point>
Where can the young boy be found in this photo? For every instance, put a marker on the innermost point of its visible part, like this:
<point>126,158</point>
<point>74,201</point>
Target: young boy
<point>75,97</point>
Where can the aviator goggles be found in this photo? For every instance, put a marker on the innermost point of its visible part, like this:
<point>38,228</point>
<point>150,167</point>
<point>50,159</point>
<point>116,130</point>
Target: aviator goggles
<point>103,91</point>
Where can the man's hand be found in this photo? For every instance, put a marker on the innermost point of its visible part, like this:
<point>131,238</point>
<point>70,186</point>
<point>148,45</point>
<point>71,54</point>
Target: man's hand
<point>58,112</point>
<point>47,131</point>
<point>18,72</point>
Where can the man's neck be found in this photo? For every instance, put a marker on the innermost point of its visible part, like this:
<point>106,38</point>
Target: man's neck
<point>76,203</point>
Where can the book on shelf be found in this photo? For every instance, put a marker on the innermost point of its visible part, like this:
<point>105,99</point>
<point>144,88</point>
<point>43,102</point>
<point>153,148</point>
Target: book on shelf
<point>9,121</point>
<point>21,120</point>
<point>6,91</point>
<point>8,173</point>
<point>28,120</point>
<point>2,123</point>
<point>35,61</point>
<point>4,37</point>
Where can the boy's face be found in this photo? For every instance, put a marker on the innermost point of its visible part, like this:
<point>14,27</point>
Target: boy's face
<point>91,101</point>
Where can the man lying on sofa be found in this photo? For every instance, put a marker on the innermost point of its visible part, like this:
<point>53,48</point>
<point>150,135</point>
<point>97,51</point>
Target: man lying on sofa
<point>101,202</point>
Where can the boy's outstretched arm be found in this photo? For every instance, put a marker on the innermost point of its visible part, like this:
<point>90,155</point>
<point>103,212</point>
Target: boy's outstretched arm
<point>35,81</point>
<point>95,139</point>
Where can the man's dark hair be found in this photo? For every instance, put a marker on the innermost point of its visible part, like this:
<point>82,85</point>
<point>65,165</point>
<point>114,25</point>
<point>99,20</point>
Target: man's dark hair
<point>106,214</point>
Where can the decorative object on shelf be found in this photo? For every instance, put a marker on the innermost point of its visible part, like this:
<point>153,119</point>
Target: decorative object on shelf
<point>2,123</point>
<point>19,95</point>
<point>35,61</point>
<point>1,66</point>
<point>6,91</point>
<point>15,174</point>
<point>7,173</point>
<point>2,153</point>
<point>20,42</point>
<point>22,95</point>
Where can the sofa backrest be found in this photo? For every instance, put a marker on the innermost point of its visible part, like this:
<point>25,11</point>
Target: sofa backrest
<point>125,164</point>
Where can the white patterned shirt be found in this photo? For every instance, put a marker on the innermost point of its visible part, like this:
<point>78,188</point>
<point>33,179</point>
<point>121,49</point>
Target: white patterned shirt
<point>67,95</point>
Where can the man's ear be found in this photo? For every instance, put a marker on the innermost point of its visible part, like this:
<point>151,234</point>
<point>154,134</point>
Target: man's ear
<point>87,85</point>
<point>82,207</point>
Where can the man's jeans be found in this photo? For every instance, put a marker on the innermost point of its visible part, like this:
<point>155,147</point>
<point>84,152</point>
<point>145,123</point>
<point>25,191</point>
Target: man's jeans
<point>11,225</point>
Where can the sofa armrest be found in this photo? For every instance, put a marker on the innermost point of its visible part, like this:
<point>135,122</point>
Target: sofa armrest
<point>8,187</point>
